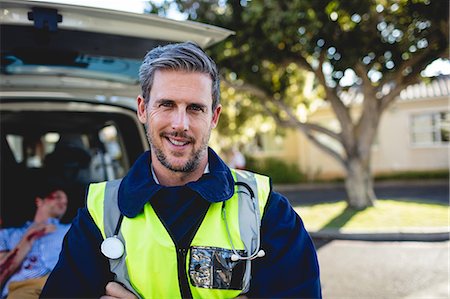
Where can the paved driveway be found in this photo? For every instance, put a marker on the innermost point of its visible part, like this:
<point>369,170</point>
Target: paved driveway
<point>357,269</point>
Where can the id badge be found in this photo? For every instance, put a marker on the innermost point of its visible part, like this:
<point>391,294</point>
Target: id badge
<point>212,268</point>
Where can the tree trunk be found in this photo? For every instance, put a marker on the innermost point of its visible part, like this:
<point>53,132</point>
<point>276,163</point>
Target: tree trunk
<point>359,184</point>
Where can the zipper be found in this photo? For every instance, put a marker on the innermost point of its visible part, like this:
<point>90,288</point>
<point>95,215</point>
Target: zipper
<point>183,282</point>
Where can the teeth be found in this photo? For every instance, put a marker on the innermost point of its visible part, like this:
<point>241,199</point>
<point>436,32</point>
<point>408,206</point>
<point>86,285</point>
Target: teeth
<point>175,142</point>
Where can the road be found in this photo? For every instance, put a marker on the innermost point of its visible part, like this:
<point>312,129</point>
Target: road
<point>307,194</point>
<point>357,269</point>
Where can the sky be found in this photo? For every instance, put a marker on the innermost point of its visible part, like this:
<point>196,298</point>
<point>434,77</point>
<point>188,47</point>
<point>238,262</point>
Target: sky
<point>137,6</point>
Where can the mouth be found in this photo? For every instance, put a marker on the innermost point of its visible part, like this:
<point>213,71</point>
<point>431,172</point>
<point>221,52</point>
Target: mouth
<point>177,142</point>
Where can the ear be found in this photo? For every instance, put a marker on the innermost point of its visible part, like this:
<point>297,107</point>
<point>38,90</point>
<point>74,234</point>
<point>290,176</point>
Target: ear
<point>216,115</point>
<point>141,109</point>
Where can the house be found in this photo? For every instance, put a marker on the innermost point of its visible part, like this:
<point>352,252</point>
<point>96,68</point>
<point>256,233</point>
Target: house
<point>413,135</point>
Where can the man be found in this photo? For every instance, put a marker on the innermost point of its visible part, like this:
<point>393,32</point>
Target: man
<point>181,223</point>
<point>29,253</point>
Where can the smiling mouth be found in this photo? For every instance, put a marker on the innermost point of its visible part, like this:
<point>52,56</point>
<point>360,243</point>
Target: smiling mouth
<point>177,142</point>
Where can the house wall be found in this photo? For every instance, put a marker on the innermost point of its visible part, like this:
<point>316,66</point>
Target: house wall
<point>393,150</point>
<point>396,151</point>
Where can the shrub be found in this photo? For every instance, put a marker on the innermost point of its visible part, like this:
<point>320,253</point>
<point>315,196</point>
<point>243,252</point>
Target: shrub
<point>280,171</point>
<point>414,175</point>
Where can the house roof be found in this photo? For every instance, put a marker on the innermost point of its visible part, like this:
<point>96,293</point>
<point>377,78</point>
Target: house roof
<point>438,87</point>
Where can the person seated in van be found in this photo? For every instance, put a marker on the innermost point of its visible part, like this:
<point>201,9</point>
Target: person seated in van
<point>29,253</point>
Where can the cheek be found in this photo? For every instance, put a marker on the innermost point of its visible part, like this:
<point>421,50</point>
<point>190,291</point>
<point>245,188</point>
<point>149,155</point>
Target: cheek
<point>158,118</point>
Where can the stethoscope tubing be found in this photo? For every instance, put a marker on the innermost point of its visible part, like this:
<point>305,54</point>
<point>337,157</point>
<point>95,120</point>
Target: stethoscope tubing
<point>235,257</point>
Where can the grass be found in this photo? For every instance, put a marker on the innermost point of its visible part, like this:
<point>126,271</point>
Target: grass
<point>385,215</point>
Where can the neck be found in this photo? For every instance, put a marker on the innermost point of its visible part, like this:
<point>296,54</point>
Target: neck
<point>41,216</point>
<point>169,178</point>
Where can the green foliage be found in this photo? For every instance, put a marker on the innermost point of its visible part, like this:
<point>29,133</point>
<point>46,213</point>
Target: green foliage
<point>378,46</point>
<point>347,32</point>
<point>280,171</point>
<point>414,175</point>
<point>276,41</point>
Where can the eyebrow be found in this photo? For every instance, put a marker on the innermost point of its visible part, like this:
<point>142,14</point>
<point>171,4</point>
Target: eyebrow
<point>163,101</point>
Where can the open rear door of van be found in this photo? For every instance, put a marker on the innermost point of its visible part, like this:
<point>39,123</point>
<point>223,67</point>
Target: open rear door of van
<point>52,39</point>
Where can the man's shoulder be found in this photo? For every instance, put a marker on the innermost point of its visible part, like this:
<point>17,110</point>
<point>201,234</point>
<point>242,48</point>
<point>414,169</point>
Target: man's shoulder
<point>246,172</point>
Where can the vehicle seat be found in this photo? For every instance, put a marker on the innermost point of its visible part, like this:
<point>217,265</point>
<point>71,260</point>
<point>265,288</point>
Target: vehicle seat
<point>70,160</point>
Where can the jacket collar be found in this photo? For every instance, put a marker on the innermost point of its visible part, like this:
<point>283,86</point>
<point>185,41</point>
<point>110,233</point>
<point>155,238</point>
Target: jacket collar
<point>138,186</point>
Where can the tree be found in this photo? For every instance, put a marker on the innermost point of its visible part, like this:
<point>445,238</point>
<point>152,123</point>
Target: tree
<point>382,44</point>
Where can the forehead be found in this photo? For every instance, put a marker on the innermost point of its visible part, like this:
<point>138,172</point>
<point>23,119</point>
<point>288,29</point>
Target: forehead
<point>177,85</point>
<point>55,194</point>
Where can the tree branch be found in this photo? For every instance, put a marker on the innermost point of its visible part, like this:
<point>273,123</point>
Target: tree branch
<point>308,129</point>
<point>418,63</point>
<point>340,110</point>
<point>326,149</point>
<point>303,63</point>
<point>293,121</point>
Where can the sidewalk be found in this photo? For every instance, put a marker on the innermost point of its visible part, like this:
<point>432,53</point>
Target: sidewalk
<point>418,234</point>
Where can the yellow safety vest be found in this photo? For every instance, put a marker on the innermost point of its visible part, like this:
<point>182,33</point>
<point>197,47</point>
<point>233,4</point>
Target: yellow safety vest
<point>152,265</point>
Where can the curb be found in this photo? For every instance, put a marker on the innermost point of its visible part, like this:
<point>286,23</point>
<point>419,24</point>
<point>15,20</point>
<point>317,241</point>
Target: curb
<point>382,236</point>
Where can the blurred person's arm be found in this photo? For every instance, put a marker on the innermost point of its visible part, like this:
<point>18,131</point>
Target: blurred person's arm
<point>82,270</point>
<point>11,260</point>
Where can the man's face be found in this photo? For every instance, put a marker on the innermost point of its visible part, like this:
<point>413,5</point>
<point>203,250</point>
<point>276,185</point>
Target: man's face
<point>55,204</point>
<point>179,118</point>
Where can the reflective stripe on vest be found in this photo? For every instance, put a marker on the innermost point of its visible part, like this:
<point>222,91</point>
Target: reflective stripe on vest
<point>155,273</point>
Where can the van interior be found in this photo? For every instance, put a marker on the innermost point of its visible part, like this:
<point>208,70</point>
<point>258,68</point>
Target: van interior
<point>74,147</point>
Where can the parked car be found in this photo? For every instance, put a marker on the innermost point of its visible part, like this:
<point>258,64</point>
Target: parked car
<point>69,79</point>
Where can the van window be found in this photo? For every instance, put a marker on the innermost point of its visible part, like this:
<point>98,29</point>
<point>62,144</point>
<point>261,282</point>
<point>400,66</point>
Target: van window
<point>15,144</point>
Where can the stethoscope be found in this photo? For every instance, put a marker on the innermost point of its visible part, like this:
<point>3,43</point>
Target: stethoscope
<point>258,252</point>
<point>113,248</point>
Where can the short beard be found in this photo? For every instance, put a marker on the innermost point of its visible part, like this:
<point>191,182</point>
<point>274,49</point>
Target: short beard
<point>191,165</point>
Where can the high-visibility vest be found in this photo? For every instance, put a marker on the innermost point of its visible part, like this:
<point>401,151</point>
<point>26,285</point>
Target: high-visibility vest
<point>153,267</point>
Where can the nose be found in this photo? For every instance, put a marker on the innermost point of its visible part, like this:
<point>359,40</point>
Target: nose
<point>180,120</point>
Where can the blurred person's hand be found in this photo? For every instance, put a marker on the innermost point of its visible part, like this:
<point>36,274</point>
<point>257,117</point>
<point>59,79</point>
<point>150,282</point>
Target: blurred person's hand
<point>115,290</point>
<point>38,230</point>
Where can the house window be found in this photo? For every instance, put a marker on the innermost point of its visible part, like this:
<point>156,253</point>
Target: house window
<point>430,128</point>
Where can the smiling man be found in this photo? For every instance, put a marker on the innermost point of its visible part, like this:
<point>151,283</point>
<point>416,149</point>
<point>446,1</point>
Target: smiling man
<point>178,122</point>
<point>181,223</point>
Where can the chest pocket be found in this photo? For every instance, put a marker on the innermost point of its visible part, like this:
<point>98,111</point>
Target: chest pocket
<point>212,268</point>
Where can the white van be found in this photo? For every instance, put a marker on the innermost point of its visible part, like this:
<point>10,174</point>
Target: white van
<point>69,79</point>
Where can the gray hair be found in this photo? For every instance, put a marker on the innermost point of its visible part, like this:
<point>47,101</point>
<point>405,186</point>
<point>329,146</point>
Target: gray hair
<point>187,57</point>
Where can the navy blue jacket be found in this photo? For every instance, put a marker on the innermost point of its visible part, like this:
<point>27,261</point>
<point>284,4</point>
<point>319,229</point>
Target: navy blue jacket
<point>289,269</point>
